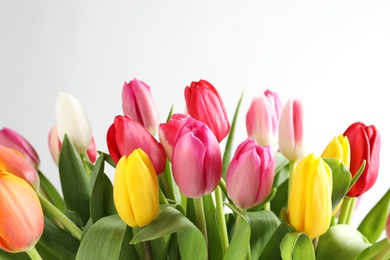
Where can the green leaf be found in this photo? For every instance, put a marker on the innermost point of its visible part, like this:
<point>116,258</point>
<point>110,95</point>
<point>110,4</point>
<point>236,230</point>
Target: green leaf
<point>74,182</point>
<point>262,225</point>
<point>239,245</point>
<point>103,240</point>
<point>4,255</point>
<point>281,162</point>
<point>344,241</point>
<point>375,221</point>
<point>280,199</point>
<point>214,251</point>
<point>379,250</point>
<point>272,249</point>
<point>48,190</point>
<point>341,180</point>
<point>297,246</point>
<point>169,220</point>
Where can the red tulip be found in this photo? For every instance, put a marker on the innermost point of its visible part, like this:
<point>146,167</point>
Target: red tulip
<point>204,103</point>
<point>365,143</point>
<point>196,159</point>
<point>125,135</point>
<point>167,133</point>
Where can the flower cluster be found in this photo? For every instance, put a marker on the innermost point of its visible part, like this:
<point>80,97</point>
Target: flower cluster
<point>177,194</point>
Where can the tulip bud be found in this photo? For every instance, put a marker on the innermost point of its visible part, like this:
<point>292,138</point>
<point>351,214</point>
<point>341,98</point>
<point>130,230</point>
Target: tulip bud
<point>21,224</point>
<point>11,139</point>
<point>136,189</point>
<point>338,148</point>
<point>55,146</point>
<point>125,135</point>
<point>291,130</point>
<point>14,162</point>
<point>262,118</point>
<point>196,159</point>
<point>204,103</point>
<point>167,133</point>
<point>309,201</point>
<point>365,142</point>
<point>250,174</point>
<point>72,120</point>
<point>138,103</point>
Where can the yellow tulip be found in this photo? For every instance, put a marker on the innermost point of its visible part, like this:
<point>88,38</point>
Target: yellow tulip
<point>136,189</point>
<point>310,203</point>
<point>338,148</point>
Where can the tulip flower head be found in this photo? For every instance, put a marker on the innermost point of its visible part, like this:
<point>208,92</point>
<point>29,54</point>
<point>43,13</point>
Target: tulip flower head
<point>125,135</point>
<point>136,189</point>
<point>310,202</point>
<point>291,130</point>
<point>72,120</point>
<point>11,139</point>
<point>262,118</point>
<point>365,143</point>
<point>167,133</point>
<point>21,224</point>
<point>250,174</point>
<point>138,103</point>
<point>196,159</point>
<point>338,148</point>
<point>204,103</point>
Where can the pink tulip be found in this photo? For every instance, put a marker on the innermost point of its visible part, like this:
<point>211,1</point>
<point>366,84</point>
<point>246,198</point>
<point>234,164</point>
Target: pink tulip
<point>250,174</point>
<point>167,133</point>
<point>262,118</point>
<point>204,103</point>
<point>21,224</point>
<point>196,159</point>
<point>125,135</point>
<point>291,130</point>
<point>138,103</point>
<point>11,139</point>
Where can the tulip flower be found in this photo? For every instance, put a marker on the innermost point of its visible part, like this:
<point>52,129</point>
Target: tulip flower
<point>11,139</point>
<point>204,103</point>
<point>55,146</point>
<point>138,103</point>
<point>196,159</point>
<point>291,130</point>
<point>136,189</point>
<point>262,118</point>
<point>125,135</point>
<point>250,174</point>
<point>14,162</point>
<point>309,203</point>
<point>365,142</point>
<point>21,224</point>
<point>338,148</point>
<point>72,120</point>
<point>167,133</point>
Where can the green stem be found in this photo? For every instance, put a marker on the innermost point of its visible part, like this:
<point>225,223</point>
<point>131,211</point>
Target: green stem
<point>167,183</point>
<point>147,250</point>
<point>291,175</point>
<point>68,224</point>
<point>85,158</point>
<point>344,211</point>
<point>221,220</point>
<point>200,217</point>
<point>33,254</point>
<point>351,209</point>
<point>222,185</point>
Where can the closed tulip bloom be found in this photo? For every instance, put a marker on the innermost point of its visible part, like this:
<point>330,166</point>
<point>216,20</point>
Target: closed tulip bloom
<point>262,118</point>
<point>11,139</point>
<point>291,130</point>
<point>250,174</point>
<point>14,162</point>
<point>125,135</point>
<point>21,224</point>
<point>138,103</point>
<point>167,133</point>
<point>309,202</point>
<point>136,189</point>
<point>365,143</point>
<point>72,120</point>
<point>196,159</point>
<point>204,103</point>
<point>338,148</point>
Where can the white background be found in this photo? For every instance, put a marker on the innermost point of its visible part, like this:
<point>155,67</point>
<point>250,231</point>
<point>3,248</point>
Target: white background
<point>333,55</point>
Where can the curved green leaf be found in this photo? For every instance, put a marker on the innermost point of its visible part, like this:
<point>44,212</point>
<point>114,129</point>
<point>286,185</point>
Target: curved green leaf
<point>379,250</point>
<point>239,247</point>
<point>47,189</point>
<point>279,201</point>
<point>297,246</point>
<point>272,248</point>
<point>215,250</point>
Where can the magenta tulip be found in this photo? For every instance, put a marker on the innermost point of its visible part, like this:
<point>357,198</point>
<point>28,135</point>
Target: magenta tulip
<point>262,118</point>
<point>11,139</point>
<point>138,103</point>
<point>365,143</point>
<point>196,159</point>
<point>204,103</point>
<point>125,135</point>
<point>250,174</point>
<point>167,133</point>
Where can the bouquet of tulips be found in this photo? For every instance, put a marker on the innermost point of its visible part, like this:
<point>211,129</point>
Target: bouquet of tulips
<point>178,193</point>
